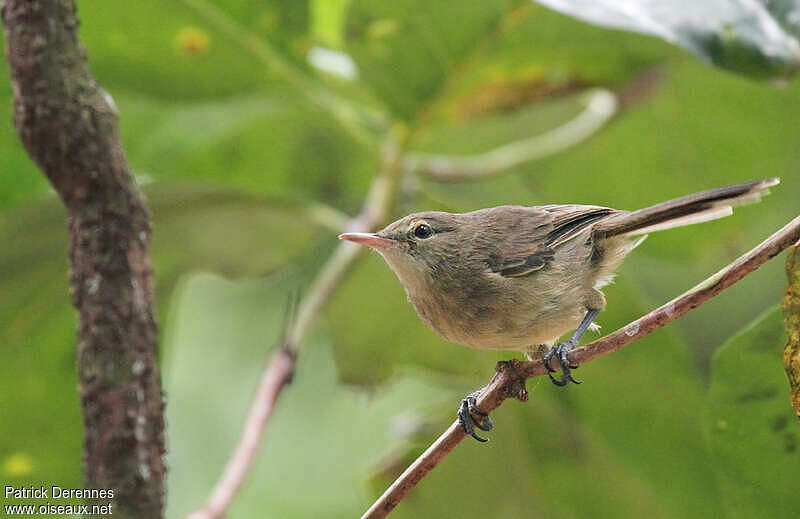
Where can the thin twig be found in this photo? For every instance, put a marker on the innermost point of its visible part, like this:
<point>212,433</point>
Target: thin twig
<point>278,374</point>
<point>601,105</point>
<point>376,210</point>
<point>509,379</point>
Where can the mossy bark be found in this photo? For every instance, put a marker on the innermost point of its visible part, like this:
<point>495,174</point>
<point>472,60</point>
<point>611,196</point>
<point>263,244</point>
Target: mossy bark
<point>791,313</point>
<point>68,124</point>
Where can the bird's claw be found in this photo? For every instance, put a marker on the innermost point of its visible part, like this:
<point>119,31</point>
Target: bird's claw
<point>467,413</point>
<point>560,351</point>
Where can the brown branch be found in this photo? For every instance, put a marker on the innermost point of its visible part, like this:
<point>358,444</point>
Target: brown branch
<point>375,211</point>
<point>68,124</point>
<point>510,377</point>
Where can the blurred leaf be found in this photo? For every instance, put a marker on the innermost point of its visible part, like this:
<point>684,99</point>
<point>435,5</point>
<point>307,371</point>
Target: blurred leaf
<point>143,47</point>
<point>21,180</point>
<point>323,438</point>
<point>40,423</point>
<point>741,35</point>
<point>194,113</point>
<point>638,406</point>
<point>786,13</point>
<point>271,144</point>
<point>538,55</point>
<point>498,56</point>
<point>223,231</point>
<point>406,48</point>
<point>285,24</point>
<point>482,134</point>
<point>751,424</point>
<point>536,454</point>
<point>173,50</point>
<point>495,129</point>
<point>328,20</point>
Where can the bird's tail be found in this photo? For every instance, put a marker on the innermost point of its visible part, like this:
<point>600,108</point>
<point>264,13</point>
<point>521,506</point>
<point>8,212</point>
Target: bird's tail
<point>686,210</point>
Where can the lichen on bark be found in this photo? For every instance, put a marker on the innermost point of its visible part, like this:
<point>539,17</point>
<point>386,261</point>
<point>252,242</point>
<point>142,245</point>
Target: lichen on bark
<point>68,124</point>
<point>791,314</point>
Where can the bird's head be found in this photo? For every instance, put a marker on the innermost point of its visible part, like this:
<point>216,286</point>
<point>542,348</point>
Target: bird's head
<point>417,246</point>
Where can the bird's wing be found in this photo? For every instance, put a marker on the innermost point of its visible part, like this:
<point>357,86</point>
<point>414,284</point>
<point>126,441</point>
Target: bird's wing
<point>526,237</point>
<point>570,220</point>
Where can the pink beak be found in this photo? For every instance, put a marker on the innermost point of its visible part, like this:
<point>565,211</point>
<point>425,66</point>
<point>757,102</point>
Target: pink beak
<point>367,238</point>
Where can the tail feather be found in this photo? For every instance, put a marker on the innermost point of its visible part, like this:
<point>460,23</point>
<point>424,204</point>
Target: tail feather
<point>686,210</point>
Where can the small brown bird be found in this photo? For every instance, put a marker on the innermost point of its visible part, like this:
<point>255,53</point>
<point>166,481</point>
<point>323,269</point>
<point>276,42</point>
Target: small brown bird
<point>517,277</point>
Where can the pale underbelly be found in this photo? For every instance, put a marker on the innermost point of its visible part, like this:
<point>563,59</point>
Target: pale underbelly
<point>517,333</point>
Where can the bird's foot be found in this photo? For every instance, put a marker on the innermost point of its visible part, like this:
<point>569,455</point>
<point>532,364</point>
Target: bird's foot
<point>560,351</point>
<point>467,413</point>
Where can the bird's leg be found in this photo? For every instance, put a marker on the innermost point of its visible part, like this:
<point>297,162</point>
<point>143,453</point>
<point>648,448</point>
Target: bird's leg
<point>466,416</point>
<point>561,349</point>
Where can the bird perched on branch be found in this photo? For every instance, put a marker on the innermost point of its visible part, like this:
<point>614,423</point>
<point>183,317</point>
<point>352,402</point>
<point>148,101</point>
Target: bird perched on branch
<point>517,277</point>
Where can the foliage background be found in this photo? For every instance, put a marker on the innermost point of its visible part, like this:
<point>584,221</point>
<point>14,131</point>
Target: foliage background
<point>237,155</point>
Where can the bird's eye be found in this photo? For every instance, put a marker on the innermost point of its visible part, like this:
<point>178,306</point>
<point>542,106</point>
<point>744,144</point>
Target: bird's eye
<point>423,231</point>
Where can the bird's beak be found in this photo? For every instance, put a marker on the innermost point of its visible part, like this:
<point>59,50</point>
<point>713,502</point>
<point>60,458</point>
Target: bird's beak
<point>369,239</point>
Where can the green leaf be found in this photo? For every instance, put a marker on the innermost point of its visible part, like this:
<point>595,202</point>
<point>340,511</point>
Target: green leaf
<point>283,23</point>
<point>499,55</point>
<point>223,231</point>
<point>752,427</point>
<point>21,179</point>
<point>273,143</point>
<point>537,55</point>
<point>328,20</point>
<point>460,140</point>
<point>743,36</point>
<point>165,50</point>
<point>41,427</point>
<point>404,49</point>
<point>324,437</point>
<point>178,50</point>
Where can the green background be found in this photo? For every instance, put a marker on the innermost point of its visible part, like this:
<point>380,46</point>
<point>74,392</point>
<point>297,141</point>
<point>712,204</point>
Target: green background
<point>223,125</point>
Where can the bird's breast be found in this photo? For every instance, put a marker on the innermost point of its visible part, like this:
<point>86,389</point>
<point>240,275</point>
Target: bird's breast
<point>494,312</point>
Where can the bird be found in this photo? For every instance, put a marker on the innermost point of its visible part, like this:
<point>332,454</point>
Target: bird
<point>518,277</point>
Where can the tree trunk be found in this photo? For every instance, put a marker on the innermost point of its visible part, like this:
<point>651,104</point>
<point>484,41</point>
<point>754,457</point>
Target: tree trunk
<point>68,124</point>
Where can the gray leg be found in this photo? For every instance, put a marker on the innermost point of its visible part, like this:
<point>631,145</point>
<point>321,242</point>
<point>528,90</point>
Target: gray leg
<point>561,349</point>
<point>466,413</point>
